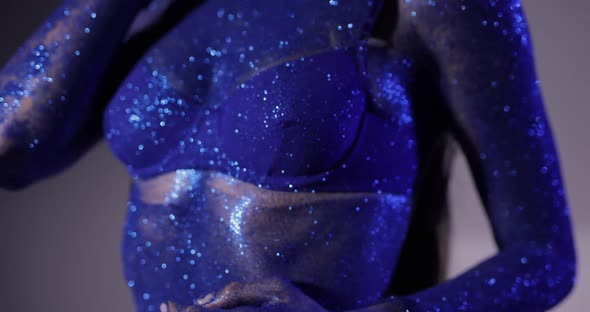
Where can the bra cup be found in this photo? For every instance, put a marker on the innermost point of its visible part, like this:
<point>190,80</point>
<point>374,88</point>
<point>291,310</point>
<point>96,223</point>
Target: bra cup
<point>168,112</point>
<point>142,122</point>
<point>298,118</point>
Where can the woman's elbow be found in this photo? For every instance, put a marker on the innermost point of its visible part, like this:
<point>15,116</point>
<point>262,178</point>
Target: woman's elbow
<point>566,260</point>
<point>14,176</point>
<point>14,182</point>
<point>559,270</point>
<point>17,170</point>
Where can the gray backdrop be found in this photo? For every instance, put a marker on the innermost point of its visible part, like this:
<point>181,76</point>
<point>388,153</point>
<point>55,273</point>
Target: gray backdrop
<point>60,238</point>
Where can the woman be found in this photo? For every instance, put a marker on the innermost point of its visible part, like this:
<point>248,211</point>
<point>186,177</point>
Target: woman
<point>285,155</point>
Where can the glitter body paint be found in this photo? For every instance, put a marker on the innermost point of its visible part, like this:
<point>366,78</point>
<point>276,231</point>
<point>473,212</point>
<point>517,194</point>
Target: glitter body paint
<point>270,138</point>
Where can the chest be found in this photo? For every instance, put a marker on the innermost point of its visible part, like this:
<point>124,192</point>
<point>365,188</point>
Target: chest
<point>246,82</point>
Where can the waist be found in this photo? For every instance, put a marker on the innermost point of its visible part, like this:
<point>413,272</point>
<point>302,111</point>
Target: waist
<point>187,184</point>
<point>339,247</point>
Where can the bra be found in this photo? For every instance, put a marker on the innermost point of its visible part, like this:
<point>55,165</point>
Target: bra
<point>309,124</point>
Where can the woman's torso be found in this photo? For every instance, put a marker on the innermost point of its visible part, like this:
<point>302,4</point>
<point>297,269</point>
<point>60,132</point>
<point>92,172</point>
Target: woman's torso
<point>266,138</point>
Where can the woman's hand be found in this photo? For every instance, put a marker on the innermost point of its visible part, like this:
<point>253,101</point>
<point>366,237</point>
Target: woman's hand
<point>273,294</point>
<point>268,295</point>
<point>173,307</point>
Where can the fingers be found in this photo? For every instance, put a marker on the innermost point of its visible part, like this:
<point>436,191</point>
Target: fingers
<point>173,307</point>
<point>268,292</point>
<point>206,299</point>
<point>169,307</point>
<point>235,294</point>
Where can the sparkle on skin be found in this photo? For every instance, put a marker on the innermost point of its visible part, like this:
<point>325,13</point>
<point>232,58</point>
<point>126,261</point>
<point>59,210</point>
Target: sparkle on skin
<point>255,152</point>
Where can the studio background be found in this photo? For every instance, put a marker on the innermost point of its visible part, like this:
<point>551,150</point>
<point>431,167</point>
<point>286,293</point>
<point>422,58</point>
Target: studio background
<point>59,240</point>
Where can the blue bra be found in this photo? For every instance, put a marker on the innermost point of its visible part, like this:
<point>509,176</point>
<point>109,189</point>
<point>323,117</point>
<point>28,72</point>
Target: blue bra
<point>308,124</point>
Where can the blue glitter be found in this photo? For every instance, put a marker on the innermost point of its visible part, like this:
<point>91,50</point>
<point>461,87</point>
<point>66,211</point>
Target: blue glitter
<point>270,138</point>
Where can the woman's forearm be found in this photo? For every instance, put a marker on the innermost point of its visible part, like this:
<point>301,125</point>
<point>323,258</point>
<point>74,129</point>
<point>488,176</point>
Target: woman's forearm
<point>389,305</point>
<point>53,75</point>
<point>527,277</point>
<point>47,87</point>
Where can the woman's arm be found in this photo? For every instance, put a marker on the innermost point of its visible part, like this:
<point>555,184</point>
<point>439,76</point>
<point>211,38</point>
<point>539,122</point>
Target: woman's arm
<point>48,89</point>
<point>488,79</point>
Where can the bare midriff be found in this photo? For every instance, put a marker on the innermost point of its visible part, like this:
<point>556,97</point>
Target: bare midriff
<point>208,229</point>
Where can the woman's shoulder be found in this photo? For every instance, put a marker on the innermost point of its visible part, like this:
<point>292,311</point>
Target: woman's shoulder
<point>440,19</point>
<point>454,30</point>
